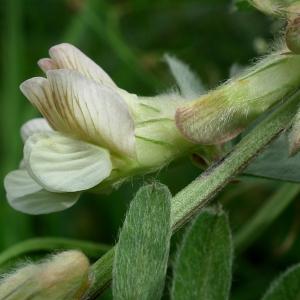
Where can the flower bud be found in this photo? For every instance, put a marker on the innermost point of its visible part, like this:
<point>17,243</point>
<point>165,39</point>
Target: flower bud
<point>288,9</point>
<point>223,113</point>
<point>63,276</point>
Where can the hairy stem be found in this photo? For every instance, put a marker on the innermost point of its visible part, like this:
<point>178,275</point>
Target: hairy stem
<point>201,191</point>
<point>260,221</point>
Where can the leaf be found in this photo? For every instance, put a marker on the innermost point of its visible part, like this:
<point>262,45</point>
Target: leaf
<point>275,162</point>
<point>188,82</point>
<point>202,269</point>
<point>286,287</point>
<point>142,251</point>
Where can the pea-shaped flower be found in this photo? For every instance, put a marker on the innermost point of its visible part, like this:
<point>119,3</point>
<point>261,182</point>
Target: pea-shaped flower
<point>93,134</point>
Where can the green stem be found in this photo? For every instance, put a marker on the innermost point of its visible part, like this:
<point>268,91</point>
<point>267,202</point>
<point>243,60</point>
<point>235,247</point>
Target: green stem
<point>92,250</point>
<point>201,191</point>
<point>101,274</point>
<point>257,225</point>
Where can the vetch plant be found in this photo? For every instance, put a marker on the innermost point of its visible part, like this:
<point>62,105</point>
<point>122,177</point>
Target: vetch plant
<point>94,135</point>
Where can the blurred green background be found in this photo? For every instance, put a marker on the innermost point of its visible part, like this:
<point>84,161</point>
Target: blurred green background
<point>128,39</point>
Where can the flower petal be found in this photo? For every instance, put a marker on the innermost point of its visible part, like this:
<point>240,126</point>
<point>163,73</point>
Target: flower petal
<point>66,56</point>
<point>80,107</point>
<point>25,195</point>
<point>62,164</point>
<point>37,91</point>
<point>47,64</point>
<point>36,125</point>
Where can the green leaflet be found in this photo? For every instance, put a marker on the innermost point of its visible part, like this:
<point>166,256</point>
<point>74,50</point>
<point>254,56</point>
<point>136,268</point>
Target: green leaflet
<point>203,266</point>
<point>275,162</point>
<point>286,287</point>
<point>188,82</point>
<point>142,251</point>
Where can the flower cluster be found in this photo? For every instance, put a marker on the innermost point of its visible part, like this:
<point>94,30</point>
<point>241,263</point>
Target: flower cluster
<point>94,135</point>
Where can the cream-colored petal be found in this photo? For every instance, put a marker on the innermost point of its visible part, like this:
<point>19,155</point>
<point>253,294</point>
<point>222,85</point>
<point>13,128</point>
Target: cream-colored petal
<point>33,126</point>
<point>47,64</point>
<point>25,195</point>
<point>63,164</point>
<point>66,56</point>
<point>82,108</point>
<point>37,91</point>
<point>96,112</point>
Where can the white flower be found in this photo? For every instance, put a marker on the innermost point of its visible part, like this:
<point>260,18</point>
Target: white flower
<point>93,134</point>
